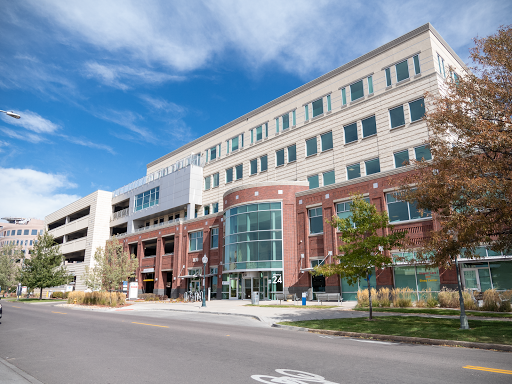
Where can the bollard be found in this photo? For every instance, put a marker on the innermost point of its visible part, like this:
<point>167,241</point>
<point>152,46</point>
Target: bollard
<point>304,294</point>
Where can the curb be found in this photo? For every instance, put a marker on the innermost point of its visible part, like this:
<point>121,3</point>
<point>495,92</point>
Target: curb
<point>215,313</point>
<point>404,339</point>
<point>20,372</point>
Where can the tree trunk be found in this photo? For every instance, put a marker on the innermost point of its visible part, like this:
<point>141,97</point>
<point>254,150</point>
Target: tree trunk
<point>40,293</point>
<point>463,318</point>
<point>369,294</point>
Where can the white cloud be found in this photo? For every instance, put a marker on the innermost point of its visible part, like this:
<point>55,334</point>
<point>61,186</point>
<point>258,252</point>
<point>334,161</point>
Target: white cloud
<point>22,135</point>
<point>157,103</point>
<point>31,121</point>
<point>112,75</point>
<point>30,193</point>
<point>87,143</point>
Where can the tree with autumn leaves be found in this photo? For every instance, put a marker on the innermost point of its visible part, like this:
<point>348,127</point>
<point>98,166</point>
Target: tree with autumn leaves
<point>468,183</point>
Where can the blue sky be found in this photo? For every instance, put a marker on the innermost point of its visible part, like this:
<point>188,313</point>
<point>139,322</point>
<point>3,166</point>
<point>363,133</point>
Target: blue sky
<point>105,87</point>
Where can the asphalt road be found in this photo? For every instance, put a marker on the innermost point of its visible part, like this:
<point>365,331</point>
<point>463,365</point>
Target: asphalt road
<point>60,345</point>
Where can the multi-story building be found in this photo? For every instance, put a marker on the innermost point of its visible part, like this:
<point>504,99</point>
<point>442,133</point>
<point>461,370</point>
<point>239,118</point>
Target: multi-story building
<point>253,196</point>
<point>80,228</point>
<point>20,232</point>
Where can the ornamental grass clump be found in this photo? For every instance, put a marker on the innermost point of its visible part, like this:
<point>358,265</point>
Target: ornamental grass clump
<point>428,299</point>
<point>384,297</point>
<point>363,299</point>
<point>112,299</point>
<point>450,299</point>
<point>402,297</point>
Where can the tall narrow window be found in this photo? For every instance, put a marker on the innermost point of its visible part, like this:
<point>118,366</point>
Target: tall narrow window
<point>328,102</point>
<point>227,150</point>
<point>263,163</point>
<point>343,97</point>
<point>416,60</point>
<point>326,141</point>
<point>388,77</point>
<point>372,166</point>
<point>196,241</point>
<point>254,166</point>
<point>286,121</point>
<point>294,123</point>
<point>239,171</point>
<point>329,178</point>
<point>279,157</point>
<point>229,175</point>
<point>318,107</point>
<point>292,153</point>
<point>215,207</point>
<point>234,144</point>
<point>316,222</point>
<point>259,133</point>
<point>353,171</point>
<point>242,140</point>
<point>313,182</point>
<point>213,153</point>
<point>356,90</point>
<point>277,124</point>
<point>215,180</point>
<point>206,210</point>
<point>207,183</point>
<point>350,133</point>
<point>396,116</point>
<point>369,126</point>
<point>266,129</point>
<point>456,78</point>
<point>370,85</point>
<point>401,158</point>
<point>306,113</point>
<point>252,136</point>
<point>311,146</point>
<point>441,66</point>
<point>417,109</point>
<point>215,238</point>
<point>402,71</point>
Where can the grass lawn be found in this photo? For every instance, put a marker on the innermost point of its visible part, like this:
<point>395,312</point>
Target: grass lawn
<point>482,331</point>
<point>295,306</point>
<point>438,311</point>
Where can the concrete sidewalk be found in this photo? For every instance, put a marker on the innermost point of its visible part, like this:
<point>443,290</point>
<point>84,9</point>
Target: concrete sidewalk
<point>9,374</point>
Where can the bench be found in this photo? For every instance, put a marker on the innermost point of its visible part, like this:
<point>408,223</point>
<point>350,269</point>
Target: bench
<point>321,297</point>
<point>282,296</point>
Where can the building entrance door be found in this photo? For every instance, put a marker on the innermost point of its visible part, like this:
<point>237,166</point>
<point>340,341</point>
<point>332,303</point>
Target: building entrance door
<point>234,287</point>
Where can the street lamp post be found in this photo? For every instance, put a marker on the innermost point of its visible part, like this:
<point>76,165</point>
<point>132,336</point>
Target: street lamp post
<point>205,260</point>
<point>11,113</point>
<point>463,318</point>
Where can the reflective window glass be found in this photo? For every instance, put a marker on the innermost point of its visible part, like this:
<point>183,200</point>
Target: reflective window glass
<point>292,153</point>
<point>402,71</point>
<point>369,126</point>
<point>311,146</point>
<point>329,178</point>
<point>350,133</point>
<point>422,152</point>
<point>401,158</point>
<point>417,109</point>
<point>356,90</point>
<point>353,171</point>
<point>396,116</point>
<point>326,141</point>
<point>280,157</point>
<point>263,163</point>
<point>318,107</point>
<point>313,181</point>
<point>372,166</point>
<point>254,166</point>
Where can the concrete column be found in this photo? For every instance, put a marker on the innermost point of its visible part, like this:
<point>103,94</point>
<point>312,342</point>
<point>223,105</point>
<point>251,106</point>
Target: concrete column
<point>159,283</point>
<point>190,211</point>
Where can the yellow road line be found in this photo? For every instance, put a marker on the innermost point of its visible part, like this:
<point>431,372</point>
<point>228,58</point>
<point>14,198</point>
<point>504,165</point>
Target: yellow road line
<point>15,306</point>
<point>62,313</point>
<point>153,325</point>
<point>507,372</point>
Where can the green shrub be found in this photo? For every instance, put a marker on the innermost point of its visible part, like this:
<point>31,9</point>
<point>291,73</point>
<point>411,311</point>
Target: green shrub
<point>58,295</point>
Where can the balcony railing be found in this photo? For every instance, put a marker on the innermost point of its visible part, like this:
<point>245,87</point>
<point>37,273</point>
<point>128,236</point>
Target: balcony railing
<point>194,159</point>
<point>150,227</point>
<point>119,214</point>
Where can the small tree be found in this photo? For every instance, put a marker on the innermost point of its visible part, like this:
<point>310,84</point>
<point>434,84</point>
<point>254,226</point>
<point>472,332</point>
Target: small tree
<point>112,267</point>
<point>365,244</point>
<point>45,268</point>
<point>9,265</point>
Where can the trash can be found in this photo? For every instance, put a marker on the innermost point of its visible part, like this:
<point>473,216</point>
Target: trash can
<point>255,298</point>
<point>304,296</point>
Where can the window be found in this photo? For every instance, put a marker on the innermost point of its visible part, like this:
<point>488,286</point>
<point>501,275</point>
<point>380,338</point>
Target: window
<point>147,199</point>
<point>343,209</point>
<point>280,157</point>
<point>292,153</point>
<point>239,171</point>
<point>456,78</point>
<point>369,126</point>
<point>401,158</point>
<point>215,180</point>
<point>277,124</point>
<point>318,107</point>
<point>316,222</point>
<point>41,232</point>
<point>370,85</point>
<point>19,232</point>
<point>422,152</point>
<point>258,132</point>
<point>196,241</point>
<point>350,133</point>
<point>25,232</point>
<point>328,102</point>
<point>326,141</point>
<point>263,163</point>
<point>31,242</point>
<point>399,210</point>
<point>254,166</point>
<point>417,109</point>
<point>372,166</point>
<point>416,60</point>
<point>402,71</point>
<point>229,175</point>
<point>306,112</point>
<point>441,65</point>
<point>234,143</point>
<point>343,97</point>
<point>214,238</point>
<point>34,232</point>
<point>311,147</point>
<point>353,171</point>
<point>213,153</point>
<point>266,129</point>
<point>313,182</point>
<point>286,121</point>
<point>388,77</point>
<point>207,210</point>
<point>329,178</point>
<point>215,207</point>
<point>207,181</point>
<point>356,90</point>
<point>396,116</point>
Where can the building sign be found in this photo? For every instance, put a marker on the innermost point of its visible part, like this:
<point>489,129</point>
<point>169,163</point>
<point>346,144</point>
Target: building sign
<point>148,270</point>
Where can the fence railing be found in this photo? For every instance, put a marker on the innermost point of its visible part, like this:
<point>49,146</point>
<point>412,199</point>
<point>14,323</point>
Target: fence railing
<point>119,214</point>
